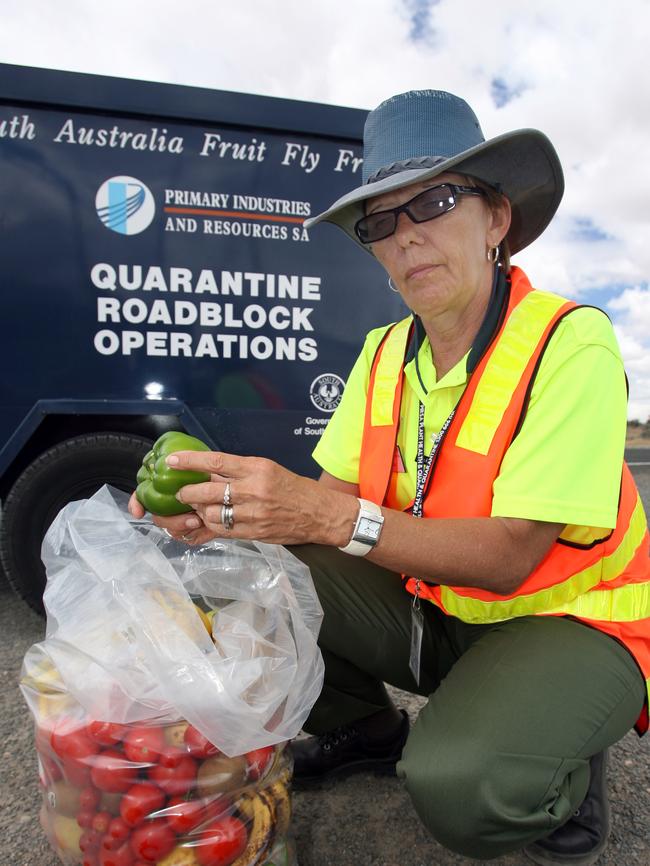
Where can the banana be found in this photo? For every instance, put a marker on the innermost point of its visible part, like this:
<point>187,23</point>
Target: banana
<point>279,793</point>
<point>182,855</point>
<point>47,694</point>
<point>276,763</point>
<point>205,619</point>
<point>267,798</point>
<point>257,813</point>
<point>282,766</point>
<point>179,609</point>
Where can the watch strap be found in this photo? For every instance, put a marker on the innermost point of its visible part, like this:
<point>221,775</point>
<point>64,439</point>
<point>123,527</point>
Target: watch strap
<point>359,546</point>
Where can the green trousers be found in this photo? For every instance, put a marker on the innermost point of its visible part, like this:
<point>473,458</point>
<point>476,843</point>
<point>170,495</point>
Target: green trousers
<point>499,755</point>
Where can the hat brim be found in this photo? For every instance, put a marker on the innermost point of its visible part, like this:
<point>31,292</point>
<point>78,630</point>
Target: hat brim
<point>523,164</point>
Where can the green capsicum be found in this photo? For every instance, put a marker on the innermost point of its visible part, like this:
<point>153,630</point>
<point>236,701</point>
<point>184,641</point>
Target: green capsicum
<point>158,483</point>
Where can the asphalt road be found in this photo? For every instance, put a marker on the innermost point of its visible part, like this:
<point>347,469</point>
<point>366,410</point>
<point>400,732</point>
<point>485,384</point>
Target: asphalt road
<point>360,821</point>
<point>637,457</point>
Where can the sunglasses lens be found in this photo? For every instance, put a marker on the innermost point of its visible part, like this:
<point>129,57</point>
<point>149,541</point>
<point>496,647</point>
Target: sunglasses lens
<point>431,203</point>
<point>426,206</point>
<point>376,226</point>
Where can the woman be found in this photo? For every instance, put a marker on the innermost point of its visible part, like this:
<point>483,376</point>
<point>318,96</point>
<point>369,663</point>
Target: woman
<point>477,454</point>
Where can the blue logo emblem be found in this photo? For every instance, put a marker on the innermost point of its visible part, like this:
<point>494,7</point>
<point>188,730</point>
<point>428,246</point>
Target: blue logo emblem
<point>125,205</point>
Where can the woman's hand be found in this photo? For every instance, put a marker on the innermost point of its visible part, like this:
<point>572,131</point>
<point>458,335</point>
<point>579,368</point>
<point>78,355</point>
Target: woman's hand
<point>269,503</point>
<point>183,527</point>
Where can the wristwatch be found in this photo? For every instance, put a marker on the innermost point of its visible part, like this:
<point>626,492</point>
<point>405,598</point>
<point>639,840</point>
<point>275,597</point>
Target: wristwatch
<point>366,530</point>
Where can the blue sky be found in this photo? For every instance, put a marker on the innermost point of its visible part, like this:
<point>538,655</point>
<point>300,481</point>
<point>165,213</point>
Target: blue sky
<point>560,67</point>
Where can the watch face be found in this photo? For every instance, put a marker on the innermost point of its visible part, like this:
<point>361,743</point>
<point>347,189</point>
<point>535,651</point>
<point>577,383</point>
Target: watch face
<point>369,528</point>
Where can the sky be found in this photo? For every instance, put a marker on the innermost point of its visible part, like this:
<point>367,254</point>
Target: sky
<point>576,69</point>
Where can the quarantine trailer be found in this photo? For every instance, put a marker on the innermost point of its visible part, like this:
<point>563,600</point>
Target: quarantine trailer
<point>156,275</point>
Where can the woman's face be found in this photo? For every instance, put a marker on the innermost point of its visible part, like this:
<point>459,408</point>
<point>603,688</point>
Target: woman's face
<point>441,266</point>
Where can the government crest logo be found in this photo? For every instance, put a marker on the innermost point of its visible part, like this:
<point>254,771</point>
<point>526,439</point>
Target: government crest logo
<point>325,391</point>
<point>125,205</point>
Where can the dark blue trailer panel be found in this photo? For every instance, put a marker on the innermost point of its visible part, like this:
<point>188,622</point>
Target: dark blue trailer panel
<point>154,263</point>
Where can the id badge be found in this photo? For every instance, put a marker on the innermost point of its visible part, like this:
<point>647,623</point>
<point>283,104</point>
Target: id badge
<point>417,628</point>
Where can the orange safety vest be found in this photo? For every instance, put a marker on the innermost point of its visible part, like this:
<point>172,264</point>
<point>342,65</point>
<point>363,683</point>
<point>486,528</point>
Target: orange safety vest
<point>606,584</point>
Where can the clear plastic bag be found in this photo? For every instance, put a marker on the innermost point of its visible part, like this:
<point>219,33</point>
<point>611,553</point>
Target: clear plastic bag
<point>147,635</point>
<point>131,795</point>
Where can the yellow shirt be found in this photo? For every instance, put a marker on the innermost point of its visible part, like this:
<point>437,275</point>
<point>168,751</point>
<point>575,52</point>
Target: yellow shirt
<point>565,464</point>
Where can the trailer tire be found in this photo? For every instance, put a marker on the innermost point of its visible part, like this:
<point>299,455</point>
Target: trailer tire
<point>74,469</point>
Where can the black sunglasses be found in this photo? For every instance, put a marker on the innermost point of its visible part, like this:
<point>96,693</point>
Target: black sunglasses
<point>421,208</point>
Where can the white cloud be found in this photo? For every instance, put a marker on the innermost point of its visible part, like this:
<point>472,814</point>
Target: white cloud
<point>631,312</point>
<point>578,70</point>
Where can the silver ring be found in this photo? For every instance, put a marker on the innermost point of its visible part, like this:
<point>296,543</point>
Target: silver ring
<point>226,494</point>
<point>227,516</point>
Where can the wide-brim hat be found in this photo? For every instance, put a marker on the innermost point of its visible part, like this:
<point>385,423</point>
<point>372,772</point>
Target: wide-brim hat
<point>415,136</point>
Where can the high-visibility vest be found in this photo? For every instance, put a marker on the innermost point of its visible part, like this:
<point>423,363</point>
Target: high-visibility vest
<point>605,583</point>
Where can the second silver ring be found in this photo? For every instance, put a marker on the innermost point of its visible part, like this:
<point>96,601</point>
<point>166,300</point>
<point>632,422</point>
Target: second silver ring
<point>227,516</point>
<point>226,494</point>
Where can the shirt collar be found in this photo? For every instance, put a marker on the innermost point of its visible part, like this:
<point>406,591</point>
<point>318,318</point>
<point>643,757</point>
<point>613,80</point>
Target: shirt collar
<point>489,326</point>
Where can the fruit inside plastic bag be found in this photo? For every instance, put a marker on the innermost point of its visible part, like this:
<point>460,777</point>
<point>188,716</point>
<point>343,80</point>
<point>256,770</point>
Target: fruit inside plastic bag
<point>130,795</point>
<point>165,691</point>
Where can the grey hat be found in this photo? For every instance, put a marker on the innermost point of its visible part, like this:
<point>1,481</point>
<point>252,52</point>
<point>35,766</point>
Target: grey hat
<point>418,135</point>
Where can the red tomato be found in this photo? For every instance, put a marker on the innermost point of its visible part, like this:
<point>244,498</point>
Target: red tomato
<point>101,821</point>
<point>153,841</point>
<point>175,781</point>
<point>198,745</point>
<point>144,744</point>
<point>118,830</point>
<point>258,761</point>
<point>89,841</point>
<point>85,818</point>
<point>76,772</point>
<point>105,733</point>
<point>221,842</point>
<point>112,772</point>
<point>171,756</point>
<point>77,752</point>
<point>111,844</point>
<point>139,802</point>
<point>91,858</point>
<point>89,798</point>
<point>184,816</point>
<point>58,729</point>
<point>69,740</point>
<point>217,805</point>
<point>122,856</point>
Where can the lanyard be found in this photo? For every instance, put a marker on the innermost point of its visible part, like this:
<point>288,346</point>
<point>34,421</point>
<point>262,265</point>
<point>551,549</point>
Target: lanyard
<point>423,471</point>
<point>424,465</point>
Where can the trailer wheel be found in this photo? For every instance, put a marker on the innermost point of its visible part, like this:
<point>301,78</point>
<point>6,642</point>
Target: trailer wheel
<point>73,469</point>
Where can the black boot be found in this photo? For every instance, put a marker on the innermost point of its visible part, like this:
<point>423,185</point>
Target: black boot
<point>346,749</point>
<point>583,838</point>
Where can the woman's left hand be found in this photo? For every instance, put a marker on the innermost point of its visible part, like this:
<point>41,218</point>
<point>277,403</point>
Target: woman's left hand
<point>268,502</point>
